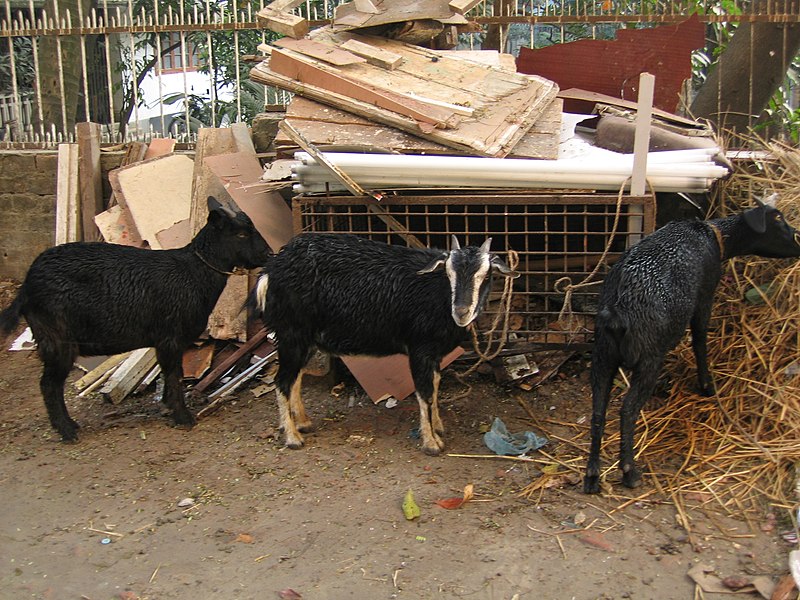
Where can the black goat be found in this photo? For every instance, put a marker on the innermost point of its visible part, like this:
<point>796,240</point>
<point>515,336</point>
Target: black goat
<point>658,287</point>
<point>90,298</point>
<point>347,295</point>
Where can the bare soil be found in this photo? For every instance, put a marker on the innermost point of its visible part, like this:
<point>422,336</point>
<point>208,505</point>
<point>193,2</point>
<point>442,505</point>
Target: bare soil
<point>138,509</point>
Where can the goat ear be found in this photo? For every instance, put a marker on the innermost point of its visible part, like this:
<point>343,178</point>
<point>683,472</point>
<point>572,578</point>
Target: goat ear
<point>435,265</point>
<point>499,265</point>
<point>213,203</point>
<point>756,219</point>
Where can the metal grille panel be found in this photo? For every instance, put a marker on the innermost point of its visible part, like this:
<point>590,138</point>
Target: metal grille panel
<point>555,237</point>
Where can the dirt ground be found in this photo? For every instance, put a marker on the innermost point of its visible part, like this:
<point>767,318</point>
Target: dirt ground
<point>138,509</point>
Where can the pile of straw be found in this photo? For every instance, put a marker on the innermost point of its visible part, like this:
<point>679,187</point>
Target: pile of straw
<point>740,449</point>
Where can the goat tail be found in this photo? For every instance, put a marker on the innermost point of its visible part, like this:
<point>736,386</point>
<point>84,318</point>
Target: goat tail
<point>260,293</point>
<point>10,317</point>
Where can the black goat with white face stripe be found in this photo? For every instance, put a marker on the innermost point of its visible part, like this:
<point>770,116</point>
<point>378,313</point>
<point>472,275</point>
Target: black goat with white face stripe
<point>347,295</point>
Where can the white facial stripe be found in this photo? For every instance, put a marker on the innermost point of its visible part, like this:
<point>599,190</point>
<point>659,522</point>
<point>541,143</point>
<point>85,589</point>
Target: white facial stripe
<point>477,280</point>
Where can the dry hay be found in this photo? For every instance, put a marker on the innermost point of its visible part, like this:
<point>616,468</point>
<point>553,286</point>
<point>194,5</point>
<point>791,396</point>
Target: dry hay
<point>739,450</point>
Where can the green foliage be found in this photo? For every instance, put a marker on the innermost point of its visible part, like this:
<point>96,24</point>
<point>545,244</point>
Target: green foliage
<point>23,65</point>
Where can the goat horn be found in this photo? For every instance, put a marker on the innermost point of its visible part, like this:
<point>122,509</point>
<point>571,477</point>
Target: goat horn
<point>454,243</point>
<point>770,200</point>
<point>486,246</point>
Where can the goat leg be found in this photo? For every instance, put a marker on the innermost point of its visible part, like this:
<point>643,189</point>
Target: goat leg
<point>643,382</point>
<point>293,437</point>
<point>172,369</point>
<point>699,326</point>
<point>298,410</point>
<point>602,376</point>
<point>57,360</point>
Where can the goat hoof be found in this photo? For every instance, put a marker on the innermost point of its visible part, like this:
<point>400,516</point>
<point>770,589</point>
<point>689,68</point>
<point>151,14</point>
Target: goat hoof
<point>306,427</point>
<point>708,390</point>
<point>184,418</point>
<point>591,485</point>
<point>631,479</point>
<point>432,451</point>
<point>294,445</point>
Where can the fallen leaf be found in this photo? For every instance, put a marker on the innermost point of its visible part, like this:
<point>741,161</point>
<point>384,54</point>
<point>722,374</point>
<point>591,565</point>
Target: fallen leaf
<point>785,589</point>
<point>452,503</point>
<point>245,538</point>
<point>289,594</point>
<point>410,508</point>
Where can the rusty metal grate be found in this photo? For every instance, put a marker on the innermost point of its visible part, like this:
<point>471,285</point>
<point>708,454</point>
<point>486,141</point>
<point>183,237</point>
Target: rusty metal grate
<point>554,235</point>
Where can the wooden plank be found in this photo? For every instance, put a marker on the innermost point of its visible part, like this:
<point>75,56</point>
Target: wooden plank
<point>100,370</point>
<point>157,194</point>
<point>431,14</point>
<point>129,374</point>
<point>644,111</point>
<point>89,178</point>
<point>542,140</point>
<point>298,67</point>
<point>210,141</point>
<point>242,138</point>
<point>329,128</point>
<point>134,153</point>
<point>282,22</point>
<point>68,223</point>
<point>463,6</point>
<point>246,348</point>
<point>375,56</point>
<point>324,52</point>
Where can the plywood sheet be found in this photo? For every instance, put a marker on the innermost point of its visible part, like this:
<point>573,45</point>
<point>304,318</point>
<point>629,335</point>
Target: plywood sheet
<point>157,194</point>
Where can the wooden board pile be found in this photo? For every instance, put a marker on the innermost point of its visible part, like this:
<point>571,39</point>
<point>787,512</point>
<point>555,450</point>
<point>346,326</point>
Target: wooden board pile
<point>363,82</point>
<point>159,202</point>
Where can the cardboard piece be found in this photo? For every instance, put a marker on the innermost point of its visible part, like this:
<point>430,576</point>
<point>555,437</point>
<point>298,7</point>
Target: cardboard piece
<point>385,376</point>
<point>157,193</point>
<point>116,227</point>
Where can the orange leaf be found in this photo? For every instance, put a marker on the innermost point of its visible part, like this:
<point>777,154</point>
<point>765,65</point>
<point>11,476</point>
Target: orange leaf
<point>450,503</point>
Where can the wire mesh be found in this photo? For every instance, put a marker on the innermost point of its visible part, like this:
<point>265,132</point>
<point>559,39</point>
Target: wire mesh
<point>554,236</point>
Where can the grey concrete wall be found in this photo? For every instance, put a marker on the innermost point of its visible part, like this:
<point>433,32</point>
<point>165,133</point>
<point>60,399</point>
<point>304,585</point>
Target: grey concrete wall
<point>28,205</point>
<point>27,208</point>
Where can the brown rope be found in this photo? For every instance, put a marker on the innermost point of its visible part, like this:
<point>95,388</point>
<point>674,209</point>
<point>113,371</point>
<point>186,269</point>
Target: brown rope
<point>566,282</point>
<point>505,299</point>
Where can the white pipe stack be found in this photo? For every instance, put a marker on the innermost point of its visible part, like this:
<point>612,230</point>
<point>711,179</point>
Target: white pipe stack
<point>671,171</point>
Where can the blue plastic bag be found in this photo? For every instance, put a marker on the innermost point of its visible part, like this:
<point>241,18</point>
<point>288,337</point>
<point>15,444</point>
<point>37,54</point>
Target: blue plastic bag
<point>503,443</point>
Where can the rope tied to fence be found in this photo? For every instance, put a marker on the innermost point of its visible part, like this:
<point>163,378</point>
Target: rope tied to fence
<point>565,286</point>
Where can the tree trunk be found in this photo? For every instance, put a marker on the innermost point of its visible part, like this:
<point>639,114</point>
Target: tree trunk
<point>747,74</point>
<point>494,37</point>
<point>50,85</point>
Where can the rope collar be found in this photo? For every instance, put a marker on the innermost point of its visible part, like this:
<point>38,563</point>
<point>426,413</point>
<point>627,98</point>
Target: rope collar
<point>210,266</point>
<point>720,239</point>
